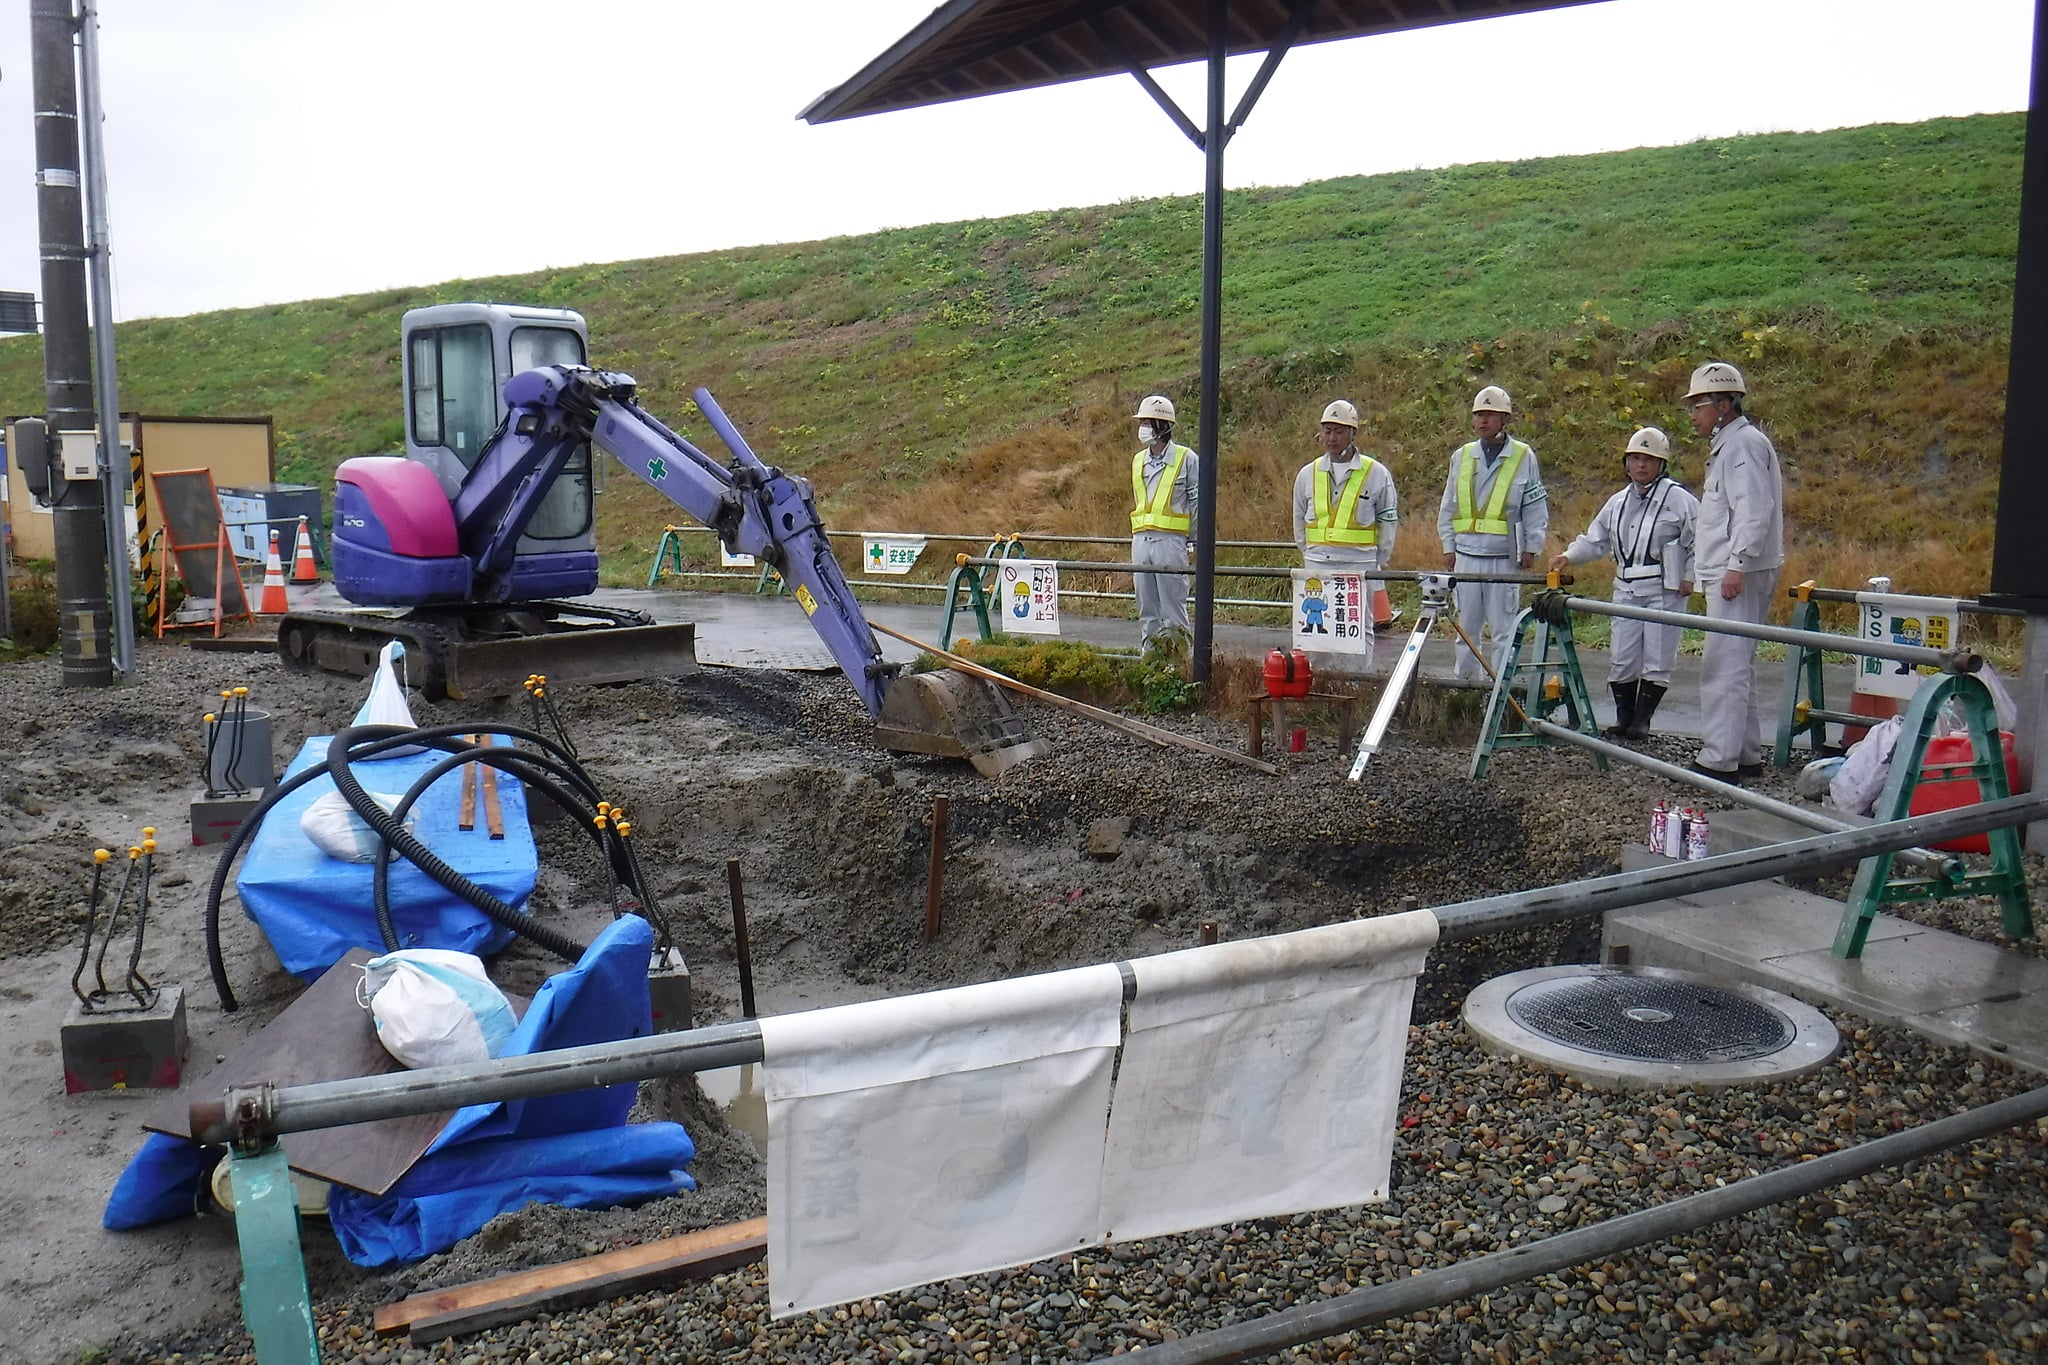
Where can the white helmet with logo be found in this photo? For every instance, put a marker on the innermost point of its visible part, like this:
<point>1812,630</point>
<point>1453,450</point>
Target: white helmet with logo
<point>1716,376</point>
<point>1157,408</point>
<point>1342,413</point>
<point>1652,442</point>
<point>1493,398</point>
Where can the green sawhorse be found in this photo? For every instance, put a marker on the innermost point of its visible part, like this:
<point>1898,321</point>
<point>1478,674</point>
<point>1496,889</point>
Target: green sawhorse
<point>976,584</point>
<point>2006,878</point>
<point>1543,684</point>
<point>668,558</point>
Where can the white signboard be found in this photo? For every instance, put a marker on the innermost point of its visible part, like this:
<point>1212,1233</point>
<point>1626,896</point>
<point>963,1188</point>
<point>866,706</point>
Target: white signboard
<point>1930,622</point>
<point>1028,596</point>
<point>247,532</point>
<point>890,554</point>
<point>727,559</point>
<point>1332,611</point>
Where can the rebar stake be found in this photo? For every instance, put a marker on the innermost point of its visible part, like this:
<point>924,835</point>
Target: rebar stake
<point>741,948</point>
<point>935,876</point>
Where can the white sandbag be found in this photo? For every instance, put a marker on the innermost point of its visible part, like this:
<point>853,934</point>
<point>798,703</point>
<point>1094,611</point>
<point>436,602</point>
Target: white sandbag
<point>1860,780</point>
<point>386,704</point>
<point>1814,779</point>
<point>435,1007</point>
<point>336,830</point>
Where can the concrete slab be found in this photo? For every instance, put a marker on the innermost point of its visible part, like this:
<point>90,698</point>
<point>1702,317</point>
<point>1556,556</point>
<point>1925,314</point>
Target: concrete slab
<point>1951,988</point>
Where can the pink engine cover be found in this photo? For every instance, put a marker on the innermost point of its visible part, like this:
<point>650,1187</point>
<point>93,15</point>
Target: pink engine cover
<point>405,496</point>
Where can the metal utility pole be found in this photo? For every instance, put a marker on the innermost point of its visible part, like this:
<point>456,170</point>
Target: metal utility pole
<point>116,476</point>
<point>78,504</point>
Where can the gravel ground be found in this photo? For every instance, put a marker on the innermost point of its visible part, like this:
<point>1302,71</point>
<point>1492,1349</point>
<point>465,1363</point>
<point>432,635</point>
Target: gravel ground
<point>1933,1263</point>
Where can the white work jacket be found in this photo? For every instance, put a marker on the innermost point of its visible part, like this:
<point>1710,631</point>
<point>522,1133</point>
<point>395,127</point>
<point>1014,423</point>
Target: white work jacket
<point>1647,531</point>
<point>1376,506</point>
<point>1742,511</point>
<point>1526,509</point>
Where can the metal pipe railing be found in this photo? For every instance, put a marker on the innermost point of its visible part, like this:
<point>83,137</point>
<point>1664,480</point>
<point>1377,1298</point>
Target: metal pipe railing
<point>263,1111</point>
<point>1369,1304</point>
<point>1935,864</point>
<point>1277,571</point>
<point>1947,660</point>
<point>1963,604</point>
<point>1018,535</point>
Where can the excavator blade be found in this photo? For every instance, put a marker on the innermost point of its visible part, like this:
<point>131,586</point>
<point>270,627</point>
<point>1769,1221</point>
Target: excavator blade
<point>955,716</point>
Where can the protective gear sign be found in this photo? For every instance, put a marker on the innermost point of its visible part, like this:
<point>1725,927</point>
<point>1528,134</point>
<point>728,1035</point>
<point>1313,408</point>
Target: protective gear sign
<point>1332,611</point>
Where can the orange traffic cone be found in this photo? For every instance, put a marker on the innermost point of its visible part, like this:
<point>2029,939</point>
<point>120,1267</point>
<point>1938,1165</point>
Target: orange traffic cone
<point>1382,609</point>
<point>304,570</point>
<point>274,602</point>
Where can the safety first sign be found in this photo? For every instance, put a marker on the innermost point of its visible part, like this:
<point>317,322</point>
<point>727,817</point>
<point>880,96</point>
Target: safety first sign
<point>1029,597</point>
<point>1930,622</point>
<point>890,554</point>
<point>1332,611</point>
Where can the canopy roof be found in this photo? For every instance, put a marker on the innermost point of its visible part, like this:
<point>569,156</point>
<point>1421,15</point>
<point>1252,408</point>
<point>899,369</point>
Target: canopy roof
<point>966,48</point>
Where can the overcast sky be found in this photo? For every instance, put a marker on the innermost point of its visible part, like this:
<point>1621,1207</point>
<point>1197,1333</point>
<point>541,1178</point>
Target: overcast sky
<point>261,152</point>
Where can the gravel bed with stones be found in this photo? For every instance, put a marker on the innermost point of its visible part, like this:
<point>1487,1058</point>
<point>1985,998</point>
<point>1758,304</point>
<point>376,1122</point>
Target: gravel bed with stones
<point>1937,1262</point>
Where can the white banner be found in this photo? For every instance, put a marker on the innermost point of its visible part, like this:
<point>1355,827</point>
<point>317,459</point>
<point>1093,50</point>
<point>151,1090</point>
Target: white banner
<point>935,1135</point>
<point>889,554</point>
<point>1332,611</point>
<point>727,559</point>
<point>1028,597</point>
<point>1930,622</point>
<point>1262,1078</point>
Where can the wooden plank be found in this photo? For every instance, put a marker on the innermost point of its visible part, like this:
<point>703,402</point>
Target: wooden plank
<point>574,1284</point>
<point>465,819</point>
<point>494,818</point>
<point>1151,734</point>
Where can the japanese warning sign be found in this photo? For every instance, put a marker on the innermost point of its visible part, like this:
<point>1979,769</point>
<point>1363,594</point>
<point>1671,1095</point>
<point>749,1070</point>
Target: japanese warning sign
<point>1332,611</point>
<point>1930,622</point>
<point>890,554</point>
<point>1028,596</point>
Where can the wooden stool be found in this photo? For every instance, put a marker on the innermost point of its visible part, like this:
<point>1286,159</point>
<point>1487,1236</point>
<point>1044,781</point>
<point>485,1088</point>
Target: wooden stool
<point>1257,708</point>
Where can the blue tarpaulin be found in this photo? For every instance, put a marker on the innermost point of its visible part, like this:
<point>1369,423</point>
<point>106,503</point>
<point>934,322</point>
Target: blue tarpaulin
<point>314,908</point>
<point>574,1149</point>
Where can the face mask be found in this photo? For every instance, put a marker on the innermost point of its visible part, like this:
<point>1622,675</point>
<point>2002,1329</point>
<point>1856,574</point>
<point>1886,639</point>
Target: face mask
<point>1145,430</point>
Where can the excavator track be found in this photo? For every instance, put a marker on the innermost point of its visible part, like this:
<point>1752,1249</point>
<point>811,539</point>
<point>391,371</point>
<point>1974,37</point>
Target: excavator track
<point>490,651</point>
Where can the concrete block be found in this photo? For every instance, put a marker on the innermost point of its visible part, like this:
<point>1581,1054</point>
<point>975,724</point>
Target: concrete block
<point>668,991</point>
<point>111,1048</point>
<point>1735,831</point>
<point>216,818</point>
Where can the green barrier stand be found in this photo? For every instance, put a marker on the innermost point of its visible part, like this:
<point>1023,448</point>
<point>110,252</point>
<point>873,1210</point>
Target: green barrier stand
<point>276,1307</point>
<point>669,550</point>
<point>1556,660</point>
<point>768,578</point>
<point>965,578</point>
<point>2006,878</point>
<point>1804,690</point>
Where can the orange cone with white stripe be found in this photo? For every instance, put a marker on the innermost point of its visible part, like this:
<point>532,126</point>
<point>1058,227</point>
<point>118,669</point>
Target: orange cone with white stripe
<point>274,602</point>
<point>304,570</point>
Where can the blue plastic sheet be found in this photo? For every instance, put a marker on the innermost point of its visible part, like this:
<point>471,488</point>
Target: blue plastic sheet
<point>574,1149</point>
<point>314,908</point>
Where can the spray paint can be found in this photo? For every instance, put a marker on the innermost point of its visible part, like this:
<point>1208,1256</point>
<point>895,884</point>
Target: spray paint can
<point>1696,836</point>
<point>1674,833</point>
<point>1660,818</point>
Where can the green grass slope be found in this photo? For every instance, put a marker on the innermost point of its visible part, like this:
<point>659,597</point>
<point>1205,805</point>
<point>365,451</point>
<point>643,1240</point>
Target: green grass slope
<point>979,375</point>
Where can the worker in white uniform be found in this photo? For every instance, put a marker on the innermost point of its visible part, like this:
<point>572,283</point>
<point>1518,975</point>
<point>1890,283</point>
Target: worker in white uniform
<point>1164,491</point>
<point>1647,529</point>
<point>1738,550</point>
<point>1493,518</point>
<point>1345,517</point>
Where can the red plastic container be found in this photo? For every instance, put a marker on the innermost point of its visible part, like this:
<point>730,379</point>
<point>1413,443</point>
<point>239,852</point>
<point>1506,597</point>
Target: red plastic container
<point>1938,793</point>
<point>1288,673</point>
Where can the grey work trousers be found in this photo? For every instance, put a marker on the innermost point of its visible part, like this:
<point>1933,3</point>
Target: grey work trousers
<point>1731,704</point>
<point>1483,606</point>
<point>1643,650</point>
<point>1162,597</point>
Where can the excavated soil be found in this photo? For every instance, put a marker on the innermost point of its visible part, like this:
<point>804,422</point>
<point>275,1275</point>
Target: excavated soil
<point>1106,849</point>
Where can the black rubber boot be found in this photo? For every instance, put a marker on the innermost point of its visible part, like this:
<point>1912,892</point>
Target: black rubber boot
<point>1648,694</point>
<point>1624,709</point>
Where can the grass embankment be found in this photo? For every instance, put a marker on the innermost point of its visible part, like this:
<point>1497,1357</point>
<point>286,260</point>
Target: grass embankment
<point>979,376</point>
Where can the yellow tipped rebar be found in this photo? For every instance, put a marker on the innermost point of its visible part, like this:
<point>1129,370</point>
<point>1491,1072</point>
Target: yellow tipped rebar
<point>134,852</point>
<point>625,828</point>
<point>102,855</point>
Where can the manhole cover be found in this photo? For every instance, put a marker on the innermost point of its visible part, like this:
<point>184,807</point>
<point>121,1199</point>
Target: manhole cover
<point>1650,1018</point>
<point>1648,1027</point>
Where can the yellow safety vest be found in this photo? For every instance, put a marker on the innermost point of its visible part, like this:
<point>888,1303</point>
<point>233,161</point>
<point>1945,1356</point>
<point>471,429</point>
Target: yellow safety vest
<point>1493,521</point>
<point>1156,512</point>
<point>1339,529</point>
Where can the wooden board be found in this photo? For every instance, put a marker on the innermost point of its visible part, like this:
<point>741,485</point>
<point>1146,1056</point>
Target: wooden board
<point>574,1284</point>
<point>324,1035</point>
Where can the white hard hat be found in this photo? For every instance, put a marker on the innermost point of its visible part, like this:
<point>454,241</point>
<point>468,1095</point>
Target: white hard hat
<point>1650,441</point>
<point>1493,398</point>
<point>1342,413</point>
<point>1716,376</point>
<point>1155,409</point>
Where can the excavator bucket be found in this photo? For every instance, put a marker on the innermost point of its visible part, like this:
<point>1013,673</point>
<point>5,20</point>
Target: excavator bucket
<point>955,716</point>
